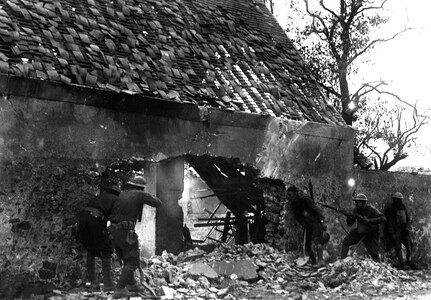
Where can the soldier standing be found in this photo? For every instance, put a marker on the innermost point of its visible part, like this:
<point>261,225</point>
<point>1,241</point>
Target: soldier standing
<point>94,235</point>
<point>398,228</point>
<point>125,214</point>
<point>367,219</point>
<point>311,218</point>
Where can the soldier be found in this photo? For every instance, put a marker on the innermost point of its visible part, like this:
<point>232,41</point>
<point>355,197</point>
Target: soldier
<point>94,235</point>
<point>311,218</point>
<point>367,219</point>
<point>125,214</point>
<point>398,228</point>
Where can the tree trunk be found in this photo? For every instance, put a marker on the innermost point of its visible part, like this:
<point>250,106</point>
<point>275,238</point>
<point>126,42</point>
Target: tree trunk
<point>347,114</point>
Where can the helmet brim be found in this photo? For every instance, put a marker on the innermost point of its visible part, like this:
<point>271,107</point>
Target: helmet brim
<point>136,184</point>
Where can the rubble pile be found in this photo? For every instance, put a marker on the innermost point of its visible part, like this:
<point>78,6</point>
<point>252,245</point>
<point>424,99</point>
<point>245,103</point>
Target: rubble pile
<point>256,271</point>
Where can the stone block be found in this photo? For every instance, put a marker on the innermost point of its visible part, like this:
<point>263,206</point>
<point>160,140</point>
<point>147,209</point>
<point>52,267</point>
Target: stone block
<point>244,269</point>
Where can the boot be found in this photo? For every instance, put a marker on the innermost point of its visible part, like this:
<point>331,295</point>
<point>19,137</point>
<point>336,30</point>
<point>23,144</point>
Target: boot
<point>106,271</point>
<point>131,284</point>
<point>124,278</point>
<point>312,258</point>
<point>121,290</point>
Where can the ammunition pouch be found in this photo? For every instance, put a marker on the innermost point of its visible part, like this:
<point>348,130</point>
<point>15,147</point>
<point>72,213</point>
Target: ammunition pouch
<point>129,226</point>
<point>125,225</point>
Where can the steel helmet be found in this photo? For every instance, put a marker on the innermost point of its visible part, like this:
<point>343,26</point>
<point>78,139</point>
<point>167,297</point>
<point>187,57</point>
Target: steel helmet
<point>360,197</point>
<point>138,181</point>
<point>110,186</point>
<point>397,195</point>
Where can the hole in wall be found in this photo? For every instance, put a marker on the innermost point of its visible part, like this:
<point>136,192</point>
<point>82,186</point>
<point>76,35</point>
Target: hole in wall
<point>222,201</point>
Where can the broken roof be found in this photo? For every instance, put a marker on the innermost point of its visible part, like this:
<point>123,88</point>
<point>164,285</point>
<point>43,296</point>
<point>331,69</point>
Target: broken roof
<point>230,54</point>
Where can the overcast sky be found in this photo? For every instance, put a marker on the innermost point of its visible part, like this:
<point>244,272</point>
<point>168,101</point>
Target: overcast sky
<point>407,62</point>
<point>404,61</point>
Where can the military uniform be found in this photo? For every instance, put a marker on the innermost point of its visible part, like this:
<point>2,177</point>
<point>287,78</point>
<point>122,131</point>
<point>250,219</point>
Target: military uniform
<point>94,236</point>
<point>367,219</point>
<point>125,214</point>
<point>397,227</point>
<point>311,218</point>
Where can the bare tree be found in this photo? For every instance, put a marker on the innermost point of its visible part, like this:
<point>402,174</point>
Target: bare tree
<point>333,41</point>
<point>386,130</point>
<point>343,33</point>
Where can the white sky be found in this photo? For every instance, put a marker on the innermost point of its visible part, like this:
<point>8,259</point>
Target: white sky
<point>405,62</point>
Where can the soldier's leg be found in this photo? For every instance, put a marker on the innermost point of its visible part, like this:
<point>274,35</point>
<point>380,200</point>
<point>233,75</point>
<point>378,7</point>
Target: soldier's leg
<point>397,243</point>
<point>405,240</point>
<point>131,263</point>
<point>106,271</point>
<point>91,268</point>
<point>308,244</point>
<point>351,239</point>
<point>85,227</point>
<point>319,253</point>
<point>371,242</point>
<point>317,233</point>
<point>135,260</point>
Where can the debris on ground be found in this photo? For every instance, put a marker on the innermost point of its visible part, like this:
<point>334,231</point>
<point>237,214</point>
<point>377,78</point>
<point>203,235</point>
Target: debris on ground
<point>257,271</point>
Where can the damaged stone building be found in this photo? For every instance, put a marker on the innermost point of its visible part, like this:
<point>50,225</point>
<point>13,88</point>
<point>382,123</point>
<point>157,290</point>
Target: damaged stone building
<point>92,89</point>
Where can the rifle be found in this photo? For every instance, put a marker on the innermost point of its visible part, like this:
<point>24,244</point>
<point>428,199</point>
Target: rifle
<point>337,209</point>
<point>310,187</point>
<point>342,211</point>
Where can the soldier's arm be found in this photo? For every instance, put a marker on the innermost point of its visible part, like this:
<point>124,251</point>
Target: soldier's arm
<point>389,220</point>
<point>351,219</point>
<point>408,224</point>
<point>376,216</point>
<point>407,216</point>
<point>313,208</point>
<point>151,200</point>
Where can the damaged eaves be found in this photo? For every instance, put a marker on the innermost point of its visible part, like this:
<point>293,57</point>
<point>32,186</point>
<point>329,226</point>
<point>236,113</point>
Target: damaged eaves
<point>225,54</point>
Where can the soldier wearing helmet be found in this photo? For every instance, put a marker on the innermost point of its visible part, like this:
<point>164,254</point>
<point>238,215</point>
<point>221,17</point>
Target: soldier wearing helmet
<point>398,229</point>
<point>125,213</point>
<point>94,235</point>
<point>311,218</point>
<point>367,219</point>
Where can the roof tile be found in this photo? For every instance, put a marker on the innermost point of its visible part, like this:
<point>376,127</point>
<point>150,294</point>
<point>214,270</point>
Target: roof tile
<point>230,54</point>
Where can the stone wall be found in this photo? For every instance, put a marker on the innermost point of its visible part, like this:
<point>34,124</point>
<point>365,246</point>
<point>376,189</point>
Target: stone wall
<point>284,232</point>
<point>39,202</point>
<point>56,141</point>
<point>379,186</point>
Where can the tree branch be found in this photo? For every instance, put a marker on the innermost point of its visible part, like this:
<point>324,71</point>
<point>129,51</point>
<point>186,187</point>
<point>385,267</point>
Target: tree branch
<point>373,7</point>
<point>374,42</point>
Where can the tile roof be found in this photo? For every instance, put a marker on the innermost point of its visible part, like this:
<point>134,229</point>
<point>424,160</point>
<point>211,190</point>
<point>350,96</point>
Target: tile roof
<point>230,54</point>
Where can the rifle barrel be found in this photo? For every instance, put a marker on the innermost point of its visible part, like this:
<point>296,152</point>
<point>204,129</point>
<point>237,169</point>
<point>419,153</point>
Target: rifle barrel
<point>331,207</point>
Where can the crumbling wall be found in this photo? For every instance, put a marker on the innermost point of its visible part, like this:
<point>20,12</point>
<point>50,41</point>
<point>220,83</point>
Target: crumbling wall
<point>284,232</point>
<point>38,207</point>
<point>55,137</point>
<point>39,204</point>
